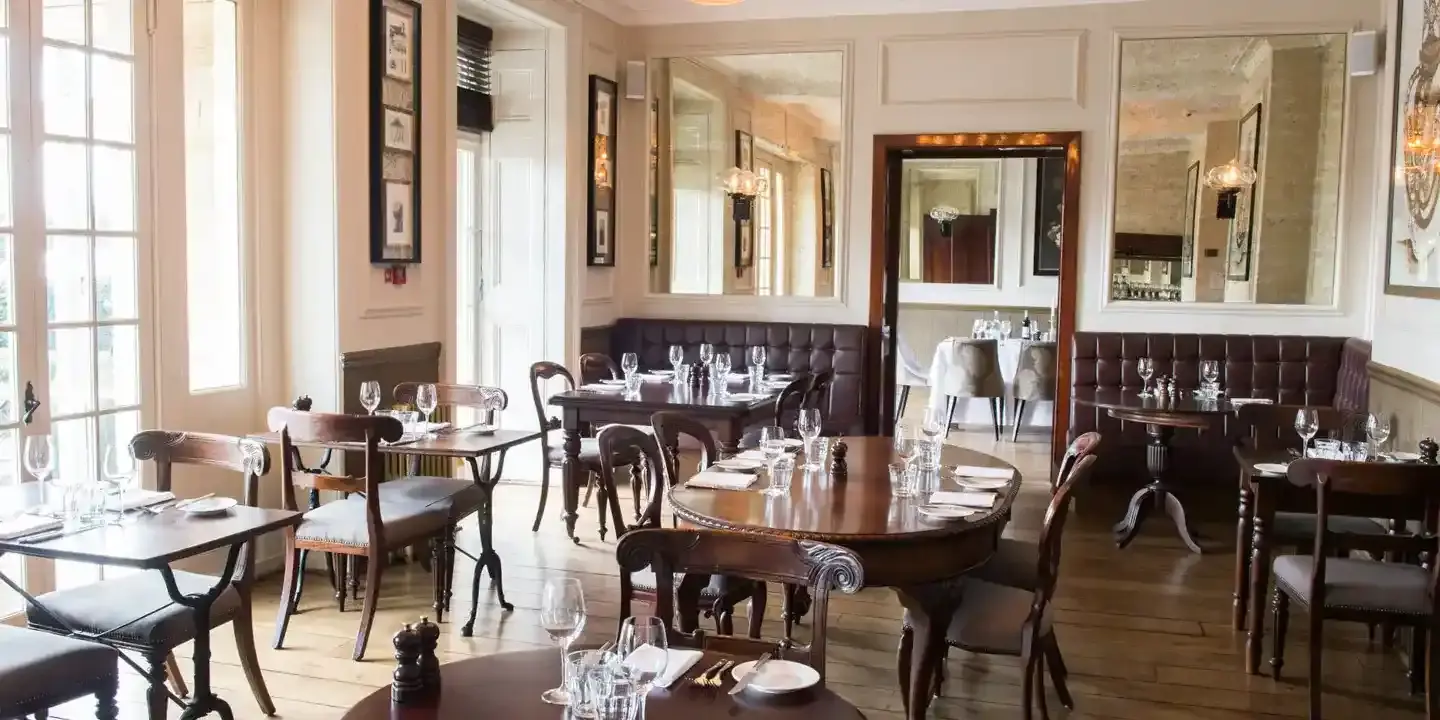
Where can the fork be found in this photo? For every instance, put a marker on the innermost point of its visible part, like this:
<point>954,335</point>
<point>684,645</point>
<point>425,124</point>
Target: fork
<point>703,679</point>
<point>718,678</point>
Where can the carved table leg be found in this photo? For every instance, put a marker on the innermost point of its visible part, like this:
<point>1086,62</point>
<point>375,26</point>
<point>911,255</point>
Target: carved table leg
<point>203,701</point>
<point>1259,576</point>
<point>1157,461</point>
<point>1243,528</point>
<point>570,475</point>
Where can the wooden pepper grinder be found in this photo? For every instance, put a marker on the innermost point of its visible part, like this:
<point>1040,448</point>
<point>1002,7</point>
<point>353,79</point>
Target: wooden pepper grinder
<point>1428,451</point>
<point>838,467</point>
<point>429,634</point>
<point>407,684</point>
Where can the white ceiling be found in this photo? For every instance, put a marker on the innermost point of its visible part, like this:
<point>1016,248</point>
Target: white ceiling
<point>670,12</point>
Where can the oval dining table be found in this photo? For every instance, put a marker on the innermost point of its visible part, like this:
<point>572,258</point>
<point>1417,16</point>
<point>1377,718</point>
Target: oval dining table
<point>898,547</point>
<point>507,686</point>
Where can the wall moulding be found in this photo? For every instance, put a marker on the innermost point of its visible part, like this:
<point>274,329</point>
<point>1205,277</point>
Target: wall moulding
<point>1056,73</point>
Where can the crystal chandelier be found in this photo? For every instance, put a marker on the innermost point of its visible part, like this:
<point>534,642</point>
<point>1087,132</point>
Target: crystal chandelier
<point>945,215</point>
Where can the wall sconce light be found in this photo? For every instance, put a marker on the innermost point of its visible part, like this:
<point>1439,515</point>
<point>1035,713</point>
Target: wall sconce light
<point>945,215</point>
<point>1228,180</point>
<point>743,186</point>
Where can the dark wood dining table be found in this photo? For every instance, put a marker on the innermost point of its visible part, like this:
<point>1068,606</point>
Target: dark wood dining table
<point>475,449</point>
<point>508,686</point>
<point>582,410</point>
<point>898,547</point>
<point>149,541</point>
<point>1161,416</point>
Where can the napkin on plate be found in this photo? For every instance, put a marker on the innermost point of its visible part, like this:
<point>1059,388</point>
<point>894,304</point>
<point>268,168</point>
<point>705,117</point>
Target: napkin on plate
<point>677,662</point>
<point>975,471</point>
<point>716,480</point>
<point>22,525</point>
<point>1251,401</point>
<point>964,499</point>
<point>597,387</point>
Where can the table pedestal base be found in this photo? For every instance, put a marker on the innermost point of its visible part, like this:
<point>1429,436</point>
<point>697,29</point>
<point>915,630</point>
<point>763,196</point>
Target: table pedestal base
<point>1156,494</point>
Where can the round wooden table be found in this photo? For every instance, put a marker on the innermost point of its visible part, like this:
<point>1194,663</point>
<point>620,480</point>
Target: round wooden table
<point>508,685</point>
<point>1161,416</point>
<point>898,547</point>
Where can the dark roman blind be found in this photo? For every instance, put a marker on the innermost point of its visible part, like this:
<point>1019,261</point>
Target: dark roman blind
<point>472,75</point>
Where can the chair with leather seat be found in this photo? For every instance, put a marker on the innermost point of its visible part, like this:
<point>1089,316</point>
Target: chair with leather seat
<point>997,620</point>
<point>1329,584</point>
<point>112,606</point>
<point>375,517</point>
<point>1035,380</point>
<point>554,455</point>
<point>909,373</point>
<point>972,370</point>
<point>39,671</point>
<point>595,367</point>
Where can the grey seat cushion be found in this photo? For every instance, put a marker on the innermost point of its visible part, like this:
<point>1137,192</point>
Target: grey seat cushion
<point>41,669</point>
<point>1363,584</point>
<point>1301,526</point>
<point>1016,564</point>
<point>991,618</point>
<point>405,517</point>
<point>643,581</point>
<point>589,454</point>
<point>459,498</point>
<point>109,604</point>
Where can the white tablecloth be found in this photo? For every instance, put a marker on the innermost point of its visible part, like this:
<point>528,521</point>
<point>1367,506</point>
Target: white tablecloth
<point>976,411</point>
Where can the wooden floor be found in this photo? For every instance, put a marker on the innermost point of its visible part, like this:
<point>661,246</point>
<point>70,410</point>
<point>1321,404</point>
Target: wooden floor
<point>1145,631</point>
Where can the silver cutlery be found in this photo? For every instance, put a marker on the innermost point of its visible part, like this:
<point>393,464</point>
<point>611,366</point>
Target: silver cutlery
<point>749,676</point>
<point>703,679</point>
<point>49,535</point>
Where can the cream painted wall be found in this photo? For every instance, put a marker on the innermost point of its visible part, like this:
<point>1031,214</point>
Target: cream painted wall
<point>1018,70</point>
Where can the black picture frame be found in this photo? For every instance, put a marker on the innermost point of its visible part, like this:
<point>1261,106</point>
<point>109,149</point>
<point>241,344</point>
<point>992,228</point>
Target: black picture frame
<point>395,74</point>
<point>827,219</point>
<point>1188,218</point>
<point>1238,253</point>
<point>1049,216</point>
<point>600,216</point>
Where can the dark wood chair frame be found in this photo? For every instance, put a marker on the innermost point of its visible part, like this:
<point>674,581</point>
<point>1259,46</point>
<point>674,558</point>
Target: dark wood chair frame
<point>697,554</point>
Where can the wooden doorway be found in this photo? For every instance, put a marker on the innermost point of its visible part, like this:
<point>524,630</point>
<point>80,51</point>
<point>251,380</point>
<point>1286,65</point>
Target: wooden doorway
<point>889,151</point>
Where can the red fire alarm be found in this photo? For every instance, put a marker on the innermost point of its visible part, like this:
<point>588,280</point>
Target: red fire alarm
<point>395,275</point>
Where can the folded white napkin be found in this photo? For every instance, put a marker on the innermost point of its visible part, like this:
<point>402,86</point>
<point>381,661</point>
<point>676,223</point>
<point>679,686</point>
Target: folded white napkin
<point>717,480</point>
<point>677,662</point>
<point>145,498</point>
<point>975,471</point>
<point>964,499</point>
<point>597,387</point>
<point>21,525</point>
<point>1251,401</point>
<point>752,455</point>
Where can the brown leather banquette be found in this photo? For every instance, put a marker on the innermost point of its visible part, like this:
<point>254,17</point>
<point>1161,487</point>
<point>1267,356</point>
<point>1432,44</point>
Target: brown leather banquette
<point>1287,369</point>
<point>790,347</point>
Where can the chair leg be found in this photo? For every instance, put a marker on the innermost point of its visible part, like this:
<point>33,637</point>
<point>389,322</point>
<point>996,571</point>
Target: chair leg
<point>156,699</point>
<point>900,407</point>
<point>1432,683</point>
<point>1019,417</point>
<point>544,491</point>
<point>1027,683</point>
<point>902,665</point>
<point>173,674</point>
<point>354,572</point>
<point>437,562</point>
<point>375,567</point>
<point>995,413</point>
<point>939,688</point>
<point>949,415</point>
<point>1418,661</point>
<point>292,568</point>
<point>244,624</point>
<point>637,488</point>
<point>342,582</point>
<point>1039,686</point>
<point>1317,650</point>
<point>300,581</point>
<point>450,564</point>
<point>105,705</point>
<point>757,609</point>
<point>602,504</point>
<point>1058,673</point>
<point>1280,606</point>
<point>590,490</point>
<point>40,715</point>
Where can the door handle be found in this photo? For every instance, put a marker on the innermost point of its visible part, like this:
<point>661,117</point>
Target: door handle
<point>31,404</point>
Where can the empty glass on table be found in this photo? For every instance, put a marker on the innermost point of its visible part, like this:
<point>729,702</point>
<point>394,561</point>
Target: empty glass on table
<point>1146,367</point>
<point>629,363</point>
<point>1377,429</point>
<point>809,424</point>
<point>1307,424</point>
<point>677,358</point>
<point>426,399</point>
<point>933,422</point>
<point>119,473</point>
<point>562,615</point>
<point>370,396</point>
<point>643,648</point>
<point>1210,371</point>
<point>707,353</point>
<point>780,473</point>
<point>40,462</point>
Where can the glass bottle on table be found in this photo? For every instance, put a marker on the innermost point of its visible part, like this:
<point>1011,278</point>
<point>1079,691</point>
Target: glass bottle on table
<point>562,616</point>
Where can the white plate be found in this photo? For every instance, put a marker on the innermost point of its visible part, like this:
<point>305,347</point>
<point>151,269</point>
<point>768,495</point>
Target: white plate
<point>974,483</point>
<point>793,443</point>
<point>1405,456</point>
<point>778,676</point>
<point>946,512</point>
<point>210,506</point>
<point>1272,468</point>
<point>740,464</point>
<point>611,381</point>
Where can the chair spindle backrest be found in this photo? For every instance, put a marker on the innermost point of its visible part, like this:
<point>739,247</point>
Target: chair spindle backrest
<point>670,427</point>
<point>595,367</point>
<point>1080,448</point>
<point>617,441</point>
<point>1050,536</point>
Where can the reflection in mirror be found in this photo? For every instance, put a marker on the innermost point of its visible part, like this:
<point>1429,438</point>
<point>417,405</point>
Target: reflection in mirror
<point>1228,169</point>
<point>744,189</point>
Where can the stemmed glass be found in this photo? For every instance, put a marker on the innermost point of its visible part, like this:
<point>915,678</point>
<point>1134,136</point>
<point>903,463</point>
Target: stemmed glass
<point>906,444</point>
<point>1377,428</point>
<point>1210,370</point>
<point>707,353</point>
<point>772,444</point>
<point>645,651</point>
<point>629,363</point>
<point>1005,328</point>
<point>677,358</point>
<point>40,462</point>
<point>1146,367</point>
<point>370,396</point>
<point>425,401</point>
<point>933,423</point>
<point>1307,424</point>
<point>562,615</point>
<point>119,474</point>
<point>809,424</point>
<point>758,355</point>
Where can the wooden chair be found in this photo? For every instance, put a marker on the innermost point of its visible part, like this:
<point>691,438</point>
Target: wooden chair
<point>788,404</point>
<point>554,455</point>
<point>1329,585</point>
<point>109,604</point>
<point>595,367</point>
<point>998,620</point>
<point>373,519</point>
<point>40,671</point>
<point>696,554</point>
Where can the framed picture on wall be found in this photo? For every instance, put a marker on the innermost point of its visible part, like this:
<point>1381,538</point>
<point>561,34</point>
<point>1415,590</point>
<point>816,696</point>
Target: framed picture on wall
<point>600,233</point>
<point>744,150</point>
<point>827,219</point>
<point>1049,216</point>
<point>394,138</point>
<point>1412,268</point>
<point>1187,220</point>
<point>1242,228</point>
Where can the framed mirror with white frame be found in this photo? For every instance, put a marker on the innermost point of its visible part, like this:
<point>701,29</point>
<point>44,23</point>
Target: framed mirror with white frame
<point>748,153</point>
<point>1228,169</point>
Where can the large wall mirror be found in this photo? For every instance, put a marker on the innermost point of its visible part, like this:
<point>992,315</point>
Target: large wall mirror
<point>1228,169</point>
<point>771,123</point>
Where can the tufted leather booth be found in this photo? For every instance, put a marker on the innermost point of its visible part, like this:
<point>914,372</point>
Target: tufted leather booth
<point>1288,369</point>
<point>791,347</point>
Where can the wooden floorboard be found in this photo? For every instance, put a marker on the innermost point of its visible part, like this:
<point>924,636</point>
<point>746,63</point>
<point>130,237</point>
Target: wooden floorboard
<point>1145,631</point>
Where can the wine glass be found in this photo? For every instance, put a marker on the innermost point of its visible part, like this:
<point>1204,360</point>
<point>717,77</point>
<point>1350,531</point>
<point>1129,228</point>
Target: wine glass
<point>562,615</point>
<point>40,462</point>
<point>1146,368</point>
<point>809,424</point>
<point>644,647</point>
<point>721,363</point>
<point>906,444</point>
<point>1307,423</point>
<point>677,358</point>
<point>933,422</point>
<point>1005,329</point>
<point>425,401</point>
<point>707,353</point>
<point>772,443</point>
<point>119,473</point>
<point>757,356</point>
<point>1377,428</point>
<point>370,396</point>
<point>629,363</point>
<point>1210,370</point>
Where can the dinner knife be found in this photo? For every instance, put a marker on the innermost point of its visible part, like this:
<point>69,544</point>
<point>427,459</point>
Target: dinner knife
<point>747,677</point>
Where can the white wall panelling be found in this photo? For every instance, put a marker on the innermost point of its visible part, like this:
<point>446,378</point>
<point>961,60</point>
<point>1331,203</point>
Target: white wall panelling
<point>908,68</point>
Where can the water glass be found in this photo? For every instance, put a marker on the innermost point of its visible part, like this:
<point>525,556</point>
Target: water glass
<point>1210,371</point>
<point>119,475</point>
<point>820,451</point>
<point>906,444</point>
<point>772,442</point>
<point>902,480</point>
<point>758,354</point>
<point>643,649</point>
<point>682,375</point>
<point>1146,367</point>
<point>1005,329</point>
<point>780,471</point>
<point>578,667</point>
<point>933,422</point>
<point>929,453</point>
<point>633,381</point>
<point>612,694</point>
